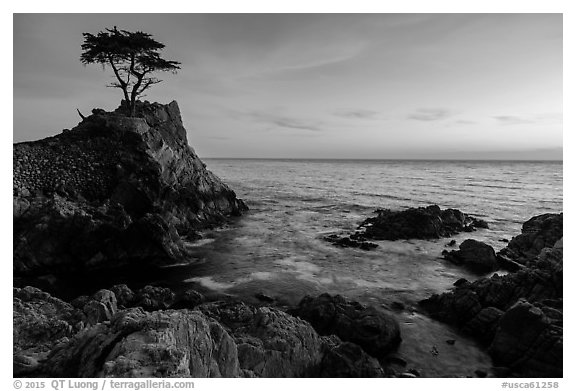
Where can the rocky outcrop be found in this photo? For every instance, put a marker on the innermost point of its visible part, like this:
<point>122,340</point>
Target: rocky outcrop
<point>375,331</point>
<point>537,233</point>
<point>530,339</point>
<point>518,315</point>
<point>430,222</point>
<point>136,343</point>
<point>103,336</point>
<point>474,255</point>
<point>40,322</point>
<point>113,191</point>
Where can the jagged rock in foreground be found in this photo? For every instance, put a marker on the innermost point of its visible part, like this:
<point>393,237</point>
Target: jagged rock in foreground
<point>40,321</point>
<point>430,222</point>
<point>474,255</point>
<point>377,332</point>
<point>113,191</point>
<point>518,315</point>
<point>136,343</point>
<point>94,337</point>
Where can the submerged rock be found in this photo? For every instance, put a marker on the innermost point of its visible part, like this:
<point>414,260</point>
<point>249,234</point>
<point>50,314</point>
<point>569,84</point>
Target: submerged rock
<point>113,191</point>
<point>360,243</point>
<point>375,331</point>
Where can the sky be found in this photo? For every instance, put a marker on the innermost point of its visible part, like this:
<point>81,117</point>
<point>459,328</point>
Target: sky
<point>373,86</point>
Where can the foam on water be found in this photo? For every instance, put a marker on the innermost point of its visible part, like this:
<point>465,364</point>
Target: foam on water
<point>277,247</point>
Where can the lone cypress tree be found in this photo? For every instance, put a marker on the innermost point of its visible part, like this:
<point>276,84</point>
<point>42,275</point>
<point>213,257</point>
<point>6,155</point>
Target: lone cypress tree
<point>133,56</point>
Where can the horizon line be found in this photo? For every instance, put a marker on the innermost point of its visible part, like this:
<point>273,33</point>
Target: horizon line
<point>387,159</point>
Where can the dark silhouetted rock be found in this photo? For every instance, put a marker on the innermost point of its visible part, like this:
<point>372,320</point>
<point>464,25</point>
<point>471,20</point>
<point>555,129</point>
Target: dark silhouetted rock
<point>528,342</point>
<point>417,223</point>
<point>474,255</point>
<point>519,315</point>
<point>111,192</point>
<point>360,243</point>
<point>263,297</point>
<point>374,330</point>
<point>537,233</point>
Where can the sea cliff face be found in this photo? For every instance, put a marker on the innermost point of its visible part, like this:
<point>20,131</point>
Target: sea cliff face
<point>112,191</point>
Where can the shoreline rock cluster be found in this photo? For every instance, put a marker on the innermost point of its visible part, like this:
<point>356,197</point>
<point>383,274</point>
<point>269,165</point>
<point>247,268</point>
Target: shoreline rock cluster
<point>518,316</point>
<point>429,222</point>
<point>113,191</point>
<point>156,333</point>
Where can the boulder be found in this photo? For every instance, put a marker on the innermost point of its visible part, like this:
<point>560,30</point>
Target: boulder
<point>188,299</point>
<point>153,298</point>
<point>347,359</point>
<point>374,330</point>
<point>474,255</point>
<point>100,307</point>
<point>140,344</point>
<point>124,295</point>
<point>528,342</point>
<point>270,342</point>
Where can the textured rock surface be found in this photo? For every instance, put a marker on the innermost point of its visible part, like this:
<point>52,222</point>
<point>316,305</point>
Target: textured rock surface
<point>347,359</point>
<point>93,338</point>
<point>430,222</point>
<point>537,233</point>
<point>519,314</point>
<point>136,343</point>
<point>474,255</point>
<point>374,330</point>
<point>113,191</point>
<point>40,322</point>
<point>529,340</point>
<point>270,342</point>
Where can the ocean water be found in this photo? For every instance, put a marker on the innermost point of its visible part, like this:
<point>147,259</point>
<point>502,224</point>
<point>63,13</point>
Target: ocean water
<point>276,248</point>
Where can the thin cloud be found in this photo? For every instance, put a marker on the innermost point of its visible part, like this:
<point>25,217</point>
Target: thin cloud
<point>218,137</point>
<point>286,122</point>
<point>512,120</point>
<point>356,114</point>
<point>541,118</point>
<point>430,114</point>
<point>465,122</point>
